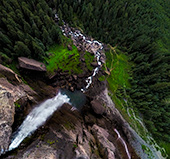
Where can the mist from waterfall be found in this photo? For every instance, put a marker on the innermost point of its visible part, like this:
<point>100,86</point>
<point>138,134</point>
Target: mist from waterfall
<point>38,117</point>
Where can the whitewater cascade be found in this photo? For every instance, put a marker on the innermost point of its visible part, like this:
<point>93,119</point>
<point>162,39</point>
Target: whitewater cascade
<point>37,117</point>
<point>76,35</point>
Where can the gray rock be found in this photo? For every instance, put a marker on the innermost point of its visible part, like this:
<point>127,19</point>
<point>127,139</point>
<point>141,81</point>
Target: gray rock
<point>97,107</point>
<point>7,111</point>
<point>75,77</point>
<point>69,47</point>
<point>103,58</point>
<point>31,64</point>
<point>106,148</point>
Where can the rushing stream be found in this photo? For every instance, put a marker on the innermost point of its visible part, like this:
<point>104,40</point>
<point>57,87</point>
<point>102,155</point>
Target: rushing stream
<point>75,35</point>
<point>38,117</point>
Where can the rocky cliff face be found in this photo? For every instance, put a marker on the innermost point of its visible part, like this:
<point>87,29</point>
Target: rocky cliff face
<point>88,134</point>
<point>7,110</point>
<point>12,89</point>
<point>69,133</point>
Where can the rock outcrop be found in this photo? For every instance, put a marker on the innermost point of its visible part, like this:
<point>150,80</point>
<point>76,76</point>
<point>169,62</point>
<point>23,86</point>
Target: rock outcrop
<point>9,74</point>
<point>31,64</point>
<point>74,135</point>
<point>114,115</point>
<point>10,92</point>
<point>97,107</point>
<point>106,148</point>
<point>7,111</point>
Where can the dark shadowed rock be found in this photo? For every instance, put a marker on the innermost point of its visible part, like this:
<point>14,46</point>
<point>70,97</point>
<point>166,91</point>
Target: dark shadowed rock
<point>31,64</point>
<point>75,77</point>
<point>94,64</point>
<point>53,76</point>
<point>69,47</point>
<point>70,56</point>
<point>97,107</point>
<point>82,59</point>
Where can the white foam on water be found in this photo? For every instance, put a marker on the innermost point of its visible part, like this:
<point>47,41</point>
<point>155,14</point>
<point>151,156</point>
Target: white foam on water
<point>38,117</point>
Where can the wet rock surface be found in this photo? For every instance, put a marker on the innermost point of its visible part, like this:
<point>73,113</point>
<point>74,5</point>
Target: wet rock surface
<point>16,99</point>
<point>74,134</point>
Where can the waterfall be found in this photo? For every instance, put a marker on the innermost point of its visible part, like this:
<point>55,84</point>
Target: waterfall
<point>41,113</point>
<point>37,117</point>
<point>123,142</point>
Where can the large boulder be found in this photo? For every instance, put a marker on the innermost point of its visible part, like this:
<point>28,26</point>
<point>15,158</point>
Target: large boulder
<point>31,64</point>
<point>97,107</point>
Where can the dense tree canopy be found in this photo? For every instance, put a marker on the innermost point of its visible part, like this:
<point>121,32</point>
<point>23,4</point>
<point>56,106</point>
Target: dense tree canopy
<point>27,28</point>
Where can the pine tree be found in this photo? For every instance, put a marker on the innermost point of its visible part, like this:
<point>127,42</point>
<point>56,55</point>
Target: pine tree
<point>21,49</point>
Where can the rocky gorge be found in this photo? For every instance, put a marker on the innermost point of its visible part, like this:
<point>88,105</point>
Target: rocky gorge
<point>96,131</point>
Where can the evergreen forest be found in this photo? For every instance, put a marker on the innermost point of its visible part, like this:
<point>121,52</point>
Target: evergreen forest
<point>27,29</point>
<point>139,28</point>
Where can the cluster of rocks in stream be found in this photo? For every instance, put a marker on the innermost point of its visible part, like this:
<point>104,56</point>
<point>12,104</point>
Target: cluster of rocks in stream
<point>84,43</point>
